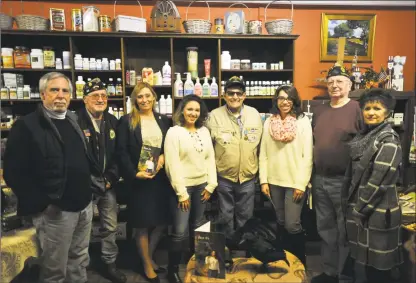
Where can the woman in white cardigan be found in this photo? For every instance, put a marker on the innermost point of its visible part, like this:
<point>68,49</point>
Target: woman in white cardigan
<point>190,166</point>
<point>286,165</point>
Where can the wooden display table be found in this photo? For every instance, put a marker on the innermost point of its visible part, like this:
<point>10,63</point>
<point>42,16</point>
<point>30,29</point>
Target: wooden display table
<point>16,247</point>
<point>250,270</point>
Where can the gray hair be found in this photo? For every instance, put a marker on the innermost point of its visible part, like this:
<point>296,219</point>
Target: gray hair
<point>46,78</point>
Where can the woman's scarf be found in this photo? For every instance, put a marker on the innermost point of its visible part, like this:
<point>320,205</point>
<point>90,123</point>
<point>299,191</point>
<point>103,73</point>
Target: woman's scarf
<point>282,130</point>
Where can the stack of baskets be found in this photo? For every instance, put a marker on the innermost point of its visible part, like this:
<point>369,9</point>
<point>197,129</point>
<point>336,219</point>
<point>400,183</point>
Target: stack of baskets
<point>6,22</point>
<point>198,25</point>
<point>279,26</point>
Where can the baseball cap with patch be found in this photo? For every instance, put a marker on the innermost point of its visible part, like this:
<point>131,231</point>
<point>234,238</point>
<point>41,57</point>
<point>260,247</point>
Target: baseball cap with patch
<point>93,85</point>
<point>338,70</point>
<point>235,82</point>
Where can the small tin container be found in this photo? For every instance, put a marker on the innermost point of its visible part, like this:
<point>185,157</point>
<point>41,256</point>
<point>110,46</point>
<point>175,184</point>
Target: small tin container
<point>76,18</point>
<point>235,64</point>
<point>104,22</point>
<point>219,26</point>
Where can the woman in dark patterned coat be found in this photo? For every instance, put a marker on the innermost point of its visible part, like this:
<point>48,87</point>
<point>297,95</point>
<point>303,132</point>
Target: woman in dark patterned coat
<point>373,211</point>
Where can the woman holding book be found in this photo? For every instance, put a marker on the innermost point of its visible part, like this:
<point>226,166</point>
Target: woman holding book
<point>286,165</point>
<point>190,166</point>
<point>141,135</point>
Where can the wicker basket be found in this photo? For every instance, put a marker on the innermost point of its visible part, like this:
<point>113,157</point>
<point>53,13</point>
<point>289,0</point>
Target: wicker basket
<point>279,26</point>
<point>128,23</point>
<point>6,22</point>
<point>197,26</point>
<point>25,21</point>
<point>246,23</point>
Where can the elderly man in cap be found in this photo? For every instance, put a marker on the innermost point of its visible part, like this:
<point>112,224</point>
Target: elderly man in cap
<point>334,125</point>
<point>47,166</point>
<point>236,131</point>
<point>99,129</point>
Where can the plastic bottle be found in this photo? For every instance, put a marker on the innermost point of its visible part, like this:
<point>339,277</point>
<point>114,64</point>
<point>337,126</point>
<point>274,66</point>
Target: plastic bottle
<point>119,88</point>
<point>78,62</point>
<point>58,64</point>
<point>65,58</point>
<point>120,112</point>
<point>169,105</point>
<point>111,90</point>
<point>128,105</point>
<point>112,65</point>
<point>226,60</point>
<point>214,88</point>
<point>162,104</point>
<point>189,85</point>
<point>206,88</point>
<point>93,64</point>
<point>105,64</point>
<point>99,65</point>
<point>156,107</point>
<point>79,84</point>
<point>86,64</point>
<point>178,86</point>
<point>198,88</point>
<point>166,74</point>
<point>110,110</point>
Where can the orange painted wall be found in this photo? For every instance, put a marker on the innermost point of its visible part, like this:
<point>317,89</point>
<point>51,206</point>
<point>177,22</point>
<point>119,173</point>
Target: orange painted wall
<point>394,35</point>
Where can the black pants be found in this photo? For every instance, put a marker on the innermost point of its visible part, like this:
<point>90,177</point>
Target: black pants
<point>378,276</point>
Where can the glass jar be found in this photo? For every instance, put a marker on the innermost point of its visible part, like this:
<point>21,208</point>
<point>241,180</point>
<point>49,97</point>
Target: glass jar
<point>7,58</point>
<point>245,64</point>
<point>48,57</point>
<point>193,61</point>
<point>235,64</point>
<point>21,57</point>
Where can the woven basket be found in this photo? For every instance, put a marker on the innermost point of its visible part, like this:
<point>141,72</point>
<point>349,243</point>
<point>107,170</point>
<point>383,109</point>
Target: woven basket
<point>6,22</point>
<point>25,21</point>
<point>246,23</point>
<point>197,26</point>
<point>279,26</point>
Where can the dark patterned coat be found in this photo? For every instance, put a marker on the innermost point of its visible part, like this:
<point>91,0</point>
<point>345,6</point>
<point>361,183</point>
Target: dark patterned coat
<point>373,210</point>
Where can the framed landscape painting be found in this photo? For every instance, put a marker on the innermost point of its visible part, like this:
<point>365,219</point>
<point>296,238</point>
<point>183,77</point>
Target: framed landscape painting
<point>358,30</point>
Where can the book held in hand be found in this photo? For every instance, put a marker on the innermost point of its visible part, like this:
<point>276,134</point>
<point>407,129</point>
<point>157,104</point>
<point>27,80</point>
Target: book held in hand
<point>209,252</point>
<point>149,157</point>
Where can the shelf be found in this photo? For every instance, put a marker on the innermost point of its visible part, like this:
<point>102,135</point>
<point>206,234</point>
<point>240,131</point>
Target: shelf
<point>22,100</point>
<point>257,71</point>
<point>153,86</point>
<point>97,71</point>
<point>203,97</point>
<point>109,99</point>
<point>259,97</point>
<point>33,70</point>
<point>145,35</point>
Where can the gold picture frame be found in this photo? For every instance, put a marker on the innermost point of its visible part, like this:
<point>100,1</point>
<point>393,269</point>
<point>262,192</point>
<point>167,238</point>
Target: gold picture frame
<point>359,31</point>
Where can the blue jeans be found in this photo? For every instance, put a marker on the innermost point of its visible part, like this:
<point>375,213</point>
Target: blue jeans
<point>107,207</point>
<point>193,218</point>
<point>287,211</point>
<point>235,200</point>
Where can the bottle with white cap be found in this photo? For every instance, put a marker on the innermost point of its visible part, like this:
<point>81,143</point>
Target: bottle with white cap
<point>79,86</point>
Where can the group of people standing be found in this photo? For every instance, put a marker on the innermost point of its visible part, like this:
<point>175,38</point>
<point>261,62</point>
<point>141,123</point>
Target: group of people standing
<point>59,163</point>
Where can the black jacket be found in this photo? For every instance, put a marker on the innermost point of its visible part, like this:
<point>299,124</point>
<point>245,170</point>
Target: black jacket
<point>129,144</point>
<point>34,161</point>
<point>107,140</point>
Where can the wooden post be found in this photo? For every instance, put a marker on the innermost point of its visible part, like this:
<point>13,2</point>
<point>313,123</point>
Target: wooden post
<point>341,50</point>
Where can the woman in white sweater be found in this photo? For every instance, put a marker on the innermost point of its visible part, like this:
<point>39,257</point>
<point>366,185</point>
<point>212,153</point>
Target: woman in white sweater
<point>190,166</point>
<point>286,165</point>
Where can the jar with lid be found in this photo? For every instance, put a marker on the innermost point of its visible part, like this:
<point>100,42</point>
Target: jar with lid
<point>193,61</point>
<point>48,57</point>
<point>78,62</point>
<point>36,59</point>
<point>225,60</point>
<point>118,64</point>
<point>13,93</point>
<point>7,58</point>
<point>93,64</point>
<point>21,57</point>
<point>4,93</point>
<point>245,64</point>
<point>99,65</point>
<point>235,64</point>
<point>219,26</point>
<point>105,64</point>
<point>112,65</point>
<point>58,64</point>
<point>86,64</point>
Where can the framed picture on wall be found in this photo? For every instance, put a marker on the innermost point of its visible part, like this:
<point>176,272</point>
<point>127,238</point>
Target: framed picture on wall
<point>359,31</point>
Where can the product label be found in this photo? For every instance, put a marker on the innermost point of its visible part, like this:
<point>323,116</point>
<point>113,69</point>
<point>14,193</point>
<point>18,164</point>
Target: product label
<point>214,92</point>
<point>188,92</point>
<point>80,90</point>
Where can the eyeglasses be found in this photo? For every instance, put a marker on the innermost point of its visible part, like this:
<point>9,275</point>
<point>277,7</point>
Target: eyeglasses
<point>232,93</point>
<point>281,99</point>
<point>97,96</point>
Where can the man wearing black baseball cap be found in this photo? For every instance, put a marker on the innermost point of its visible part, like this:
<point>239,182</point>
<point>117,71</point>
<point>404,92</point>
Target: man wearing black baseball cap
<point>99,128</point>
<point>334,125</point>
<point>236,132</point>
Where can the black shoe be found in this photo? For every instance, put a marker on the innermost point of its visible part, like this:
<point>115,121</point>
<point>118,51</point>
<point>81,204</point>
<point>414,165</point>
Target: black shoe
<point>152,280</point>
<point>173,275</point>
<point>324,278</point>
<point>114,275</point>
<point>296,245</point>
<point>160,270</point>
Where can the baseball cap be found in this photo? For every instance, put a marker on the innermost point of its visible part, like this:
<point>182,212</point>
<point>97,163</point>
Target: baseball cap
<point>235,82</point>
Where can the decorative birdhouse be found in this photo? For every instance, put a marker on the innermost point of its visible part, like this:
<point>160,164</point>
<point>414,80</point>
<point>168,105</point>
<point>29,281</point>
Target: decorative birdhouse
<point>165,17</point>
